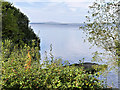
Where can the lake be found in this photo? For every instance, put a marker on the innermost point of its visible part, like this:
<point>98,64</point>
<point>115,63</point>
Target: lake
<point>68,44</point>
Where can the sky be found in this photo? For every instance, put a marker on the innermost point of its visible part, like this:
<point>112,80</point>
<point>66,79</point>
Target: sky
<point>63,11</point>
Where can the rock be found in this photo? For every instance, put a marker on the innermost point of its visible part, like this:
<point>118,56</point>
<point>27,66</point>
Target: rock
<point>90,67</point>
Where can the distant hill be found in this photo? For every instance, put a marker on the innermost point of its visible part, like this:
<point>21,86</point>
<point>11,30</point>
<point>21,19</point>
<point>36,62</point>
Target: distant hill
<point>56,23</point>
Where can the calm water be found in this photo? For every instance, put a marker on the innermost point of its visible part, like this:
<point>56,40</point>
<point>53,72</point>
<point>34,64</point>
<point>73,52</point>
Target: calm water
<point>68,44</point>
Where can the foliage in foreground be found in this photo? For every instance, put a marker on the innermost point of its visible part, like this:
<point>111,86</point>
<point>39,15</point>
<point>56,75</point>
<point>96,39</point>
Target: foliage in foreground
<point>21,71</point>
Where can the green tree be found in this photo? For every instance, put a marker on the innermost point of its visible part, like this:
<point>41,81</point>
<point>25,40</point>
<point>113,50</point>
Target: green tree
<point>15,25</point>
<point>102,28</point>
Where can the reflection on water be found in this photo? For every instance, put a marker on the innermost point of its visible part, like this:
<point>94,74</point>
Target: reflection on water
<point>67,43</point>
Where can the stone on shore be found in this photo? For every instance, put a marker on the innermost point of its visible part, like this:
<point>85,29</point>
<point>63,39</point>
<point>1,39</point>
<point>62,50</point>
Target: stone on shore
<point>90,67</point>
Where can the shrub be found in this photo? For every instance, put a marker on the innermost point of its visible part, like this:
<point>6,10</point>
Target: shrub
<point>21,71</point>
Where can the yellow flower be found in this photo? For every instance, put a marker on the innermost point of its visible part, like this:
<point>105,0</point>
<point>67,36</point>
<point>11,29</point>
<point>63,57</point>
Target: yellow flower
<point>98,73</point>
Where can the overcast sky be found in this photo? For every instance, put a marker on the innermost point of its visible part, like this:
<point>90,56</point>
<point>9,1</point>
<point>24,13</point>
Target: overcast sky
<point>64,11</point>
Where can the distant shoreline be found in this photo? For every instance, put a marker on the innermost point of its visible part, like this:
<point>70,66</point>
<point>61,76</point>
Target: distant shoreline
<point>54,23</point>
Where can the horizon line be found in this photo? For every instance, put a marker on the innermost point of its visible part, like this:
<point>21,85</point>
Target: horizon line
<point>58,22</point>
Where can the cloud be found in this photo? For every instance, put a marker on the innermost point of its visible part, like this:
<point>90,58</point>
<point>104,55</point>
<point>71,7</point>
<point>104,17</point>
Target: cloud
<point>63,11</point>
<point>51,0</point>
<point>70,0</point>
<point>57,0</point>
<point>24,0</point>
<point>73,9</point>
<point>71,4</point>
<point>77,5</point>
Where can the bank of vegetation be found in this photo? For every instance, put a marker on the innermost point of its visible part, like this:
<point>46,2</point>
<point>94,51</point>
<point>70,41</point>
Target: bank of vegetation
<point>22,71</point>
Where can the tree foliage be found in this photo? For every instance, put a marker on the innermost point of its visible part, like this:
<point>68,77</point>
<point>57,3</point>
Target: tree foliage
<point>15,25</point>
<point>102,27</point>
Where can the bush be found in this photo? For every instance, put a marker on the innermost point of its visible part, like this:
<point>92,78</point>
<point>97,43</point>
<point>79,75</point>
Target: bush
<point>20,71</point>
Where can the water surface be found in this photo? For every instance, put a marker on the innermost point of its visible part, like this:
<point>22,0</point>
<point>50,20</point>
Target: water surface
<point>66,40</point>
